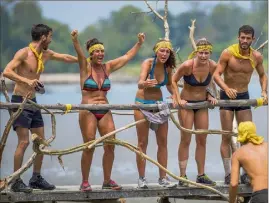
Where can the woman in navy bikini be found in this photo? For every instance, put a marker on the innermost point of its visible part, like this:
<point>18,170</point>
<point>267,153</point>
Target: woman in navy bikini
<point>155,73</point>
<point>197,74</point>
<point>95,83</point>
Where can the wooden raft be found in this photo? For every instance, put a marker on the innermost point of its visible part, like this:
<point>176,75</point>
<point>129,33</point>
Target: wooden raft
<point>72,193</point>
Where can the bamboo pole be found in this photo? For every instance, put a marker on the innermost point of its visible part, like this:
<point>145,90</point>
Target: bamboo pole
<point>200,105</point>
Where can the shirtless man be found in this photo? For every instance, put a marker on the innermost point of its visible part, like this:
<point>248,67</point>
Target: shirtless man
<point>253,157</point>
<point>237,63</point>
<point>25,69</point>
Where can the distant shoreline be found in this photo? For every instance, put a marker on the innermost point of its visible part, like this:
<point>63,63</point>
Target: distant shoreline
<point>73,78</point>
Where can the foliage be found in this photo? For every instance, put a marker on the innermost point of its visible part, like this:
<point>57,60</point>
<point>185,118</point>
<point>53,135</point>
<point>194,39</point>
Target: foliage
<point>219,24</point>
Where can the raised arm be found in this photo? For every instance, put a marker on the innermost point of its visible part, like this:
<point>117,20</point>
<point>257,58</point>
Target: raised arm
<point>62,57</point>
<point>234,178</point>
<point>117,63</point>
<point>81,57</point>
<point>180,72</point>
<point>14,64</point>
<point>262,77</point>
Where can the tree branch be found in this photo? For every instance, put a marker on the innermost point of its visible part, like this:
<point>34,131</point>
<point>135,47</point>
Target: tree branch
<point>262,45</point>
<point>155,12</point>
<point>191,36</point>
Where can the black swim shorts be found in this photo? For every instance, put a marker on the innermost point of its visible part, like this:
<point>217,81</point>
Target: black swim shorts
<point>260,196</point>
<point>27,118</point>
<point>243,95</point>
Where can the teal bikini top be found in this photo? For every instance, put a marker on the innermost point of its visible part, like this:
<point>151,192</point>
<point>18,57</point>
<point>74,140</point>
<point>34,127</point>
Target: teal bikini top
<point>151,74</point>
<point>91,85</point>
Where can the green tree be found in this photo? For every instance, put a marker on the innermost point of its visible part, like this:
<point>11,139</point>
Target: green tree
<point>226,19</point>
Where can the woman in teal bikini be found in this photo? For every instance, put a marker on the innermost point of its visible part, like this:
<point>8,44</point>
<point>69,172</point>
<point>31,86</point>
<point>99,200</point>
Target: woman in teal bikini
<point>197,74</point>
<point>95,83</point>
<point>155,73</point>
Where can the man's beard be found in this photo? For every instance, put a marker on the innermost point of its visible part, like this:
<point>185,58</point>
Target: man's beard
<point>246,45</point>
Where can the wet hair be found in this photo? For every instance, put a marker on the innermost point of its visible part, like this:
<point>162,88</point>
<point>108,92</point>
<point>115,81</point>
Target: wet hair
<point>92,42</point>
<point>171,61</point>
<point>247,29</point>
<point>203,41</point>
<point>39,30</point>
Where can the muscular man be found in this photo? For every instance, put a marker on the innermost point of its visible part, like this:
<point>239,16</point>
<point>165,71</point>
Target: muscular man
<point>237,63</point>
<point>253,157</point>
<point>25,69</point>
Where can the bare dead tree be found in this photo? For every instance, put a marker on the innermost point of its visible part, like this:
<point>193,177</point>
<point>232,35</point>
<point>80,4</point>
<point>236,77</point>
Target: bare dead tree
<point>191,35</point>
<point>163,18</point>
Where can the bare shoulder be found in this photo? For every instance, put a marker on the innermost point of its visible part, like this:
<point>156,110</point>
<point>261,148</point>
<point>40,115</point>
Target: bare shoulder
<point>225,55</point>
<point>187,64</point>
<point>22,54</point>
<point>237,153</point>
<point>242,152</point>
<point>147,62</point>
<point>185,67</point>
<point>258,56</point>
<point>48,52</point>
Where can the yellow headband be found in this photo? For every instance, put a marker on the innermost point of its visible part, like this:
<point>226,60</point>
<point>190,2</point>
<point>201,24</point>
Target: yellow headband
<point>247,133</point>
<point>200,48</point>
<point>163,44</point>
<point>96,47</point>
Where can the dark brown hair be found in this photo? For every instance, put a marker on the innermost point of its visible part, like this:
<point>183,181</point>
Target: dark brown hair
<point>247,29</point>
<point>92,42</point>
<point>171,61</point>
<point>39,30</point>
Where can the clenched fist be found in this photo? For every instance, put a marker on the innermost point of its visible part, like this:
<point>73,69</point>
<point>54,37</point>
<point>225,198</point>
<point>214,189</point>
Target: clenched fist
<point>74,35</point>
<point>141,38</point>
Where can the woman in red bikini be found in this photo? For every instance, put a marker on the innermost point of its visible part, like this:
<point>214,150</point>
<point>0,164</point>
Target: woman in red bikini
<point>95,83</point>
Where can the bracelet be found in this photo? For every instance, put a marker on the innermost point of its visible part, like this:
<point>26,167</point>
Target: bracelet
<point>264,91</point>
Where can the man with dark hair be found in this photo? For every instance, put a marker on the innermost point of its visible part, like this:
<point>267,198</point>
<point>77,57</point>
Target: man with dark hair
<point>237,64</point>
<point>25,69</point>
<point>253,157</point>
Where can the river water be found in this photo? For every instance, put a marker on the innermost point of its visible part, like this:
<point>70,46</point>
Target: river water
<point>124,171</point>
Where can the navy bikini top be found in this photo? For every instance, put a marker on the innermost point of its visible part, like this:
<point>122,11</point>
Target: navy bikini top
<point>91,85</point>
<point>191,80</point>
<point>151,74</point>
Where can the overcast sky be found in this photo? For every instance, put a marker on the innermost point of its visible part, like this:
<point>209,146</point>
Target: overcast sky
<point>79,14</point>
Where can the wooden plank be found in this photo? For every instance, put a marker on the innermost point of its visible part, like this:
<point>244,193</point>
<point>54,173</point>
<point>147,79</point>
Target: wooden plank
<point>72,193</point>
